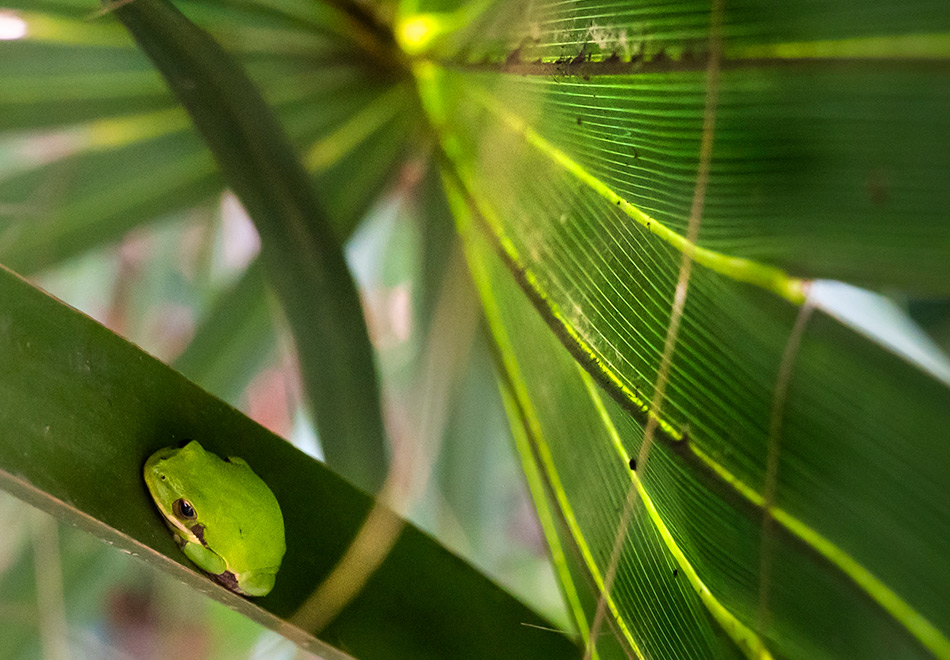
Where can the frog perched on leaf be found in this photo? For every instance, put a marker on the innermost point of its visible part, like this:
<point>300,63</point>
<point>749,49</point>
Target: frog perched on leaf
<point>223,516</point>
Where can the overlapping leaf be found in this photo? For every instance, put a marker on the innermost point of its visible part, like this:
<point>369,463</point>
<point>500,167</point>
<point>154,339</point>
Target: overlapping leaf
<point>573,133</point>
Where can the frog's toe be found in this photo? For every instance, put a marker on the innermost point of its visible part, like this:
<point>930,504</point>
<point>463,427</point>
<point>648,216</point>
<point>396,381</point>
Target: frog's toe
<point>257,583</point>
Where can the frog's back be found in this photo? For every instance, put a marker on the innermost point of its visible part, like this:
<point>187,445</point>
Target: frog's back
<point>249,527</point>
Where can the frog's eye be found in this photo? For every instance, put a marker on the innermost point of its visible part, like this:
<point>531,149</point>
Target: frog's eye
<point>183,509</point>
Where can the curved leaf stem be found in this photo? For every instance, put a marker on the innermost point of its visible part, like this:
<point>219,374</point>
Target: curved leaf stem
<point>299,249</point>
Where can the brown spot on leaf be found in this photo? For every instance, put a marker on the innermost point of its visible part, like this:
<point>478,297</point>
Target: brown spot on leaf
<point>879,187</point>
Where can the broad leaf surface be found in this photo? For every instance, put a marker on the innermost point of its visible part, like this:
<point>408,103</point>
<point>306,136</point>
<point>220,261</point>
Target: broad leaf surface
<point>572,134</point>
<point>81,411</point>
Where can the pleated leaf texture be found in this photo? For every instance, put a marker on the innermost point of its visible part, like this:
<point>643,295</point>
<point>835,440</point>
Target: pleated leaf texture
<point>667,208</point>
<point>672,185</point>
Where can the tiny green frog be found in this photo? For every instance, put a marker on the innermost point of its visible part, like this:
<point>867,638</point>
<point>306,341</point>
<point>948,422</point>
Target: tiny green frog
<point>224,517</point>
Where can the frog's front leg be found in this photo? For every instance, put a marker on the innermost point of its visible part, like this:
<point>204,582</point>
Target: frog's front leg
<point>205,559</point>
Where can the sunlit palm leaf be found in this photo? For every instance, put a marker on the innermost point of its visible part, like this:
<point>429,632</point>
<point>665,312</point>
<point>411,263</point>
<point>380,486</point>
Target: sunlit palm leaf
<point>573,135</point>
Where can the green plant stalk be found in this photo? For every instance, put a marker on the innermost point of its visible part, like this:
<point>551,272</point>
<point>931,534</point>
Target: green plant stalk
<point>302,257</point>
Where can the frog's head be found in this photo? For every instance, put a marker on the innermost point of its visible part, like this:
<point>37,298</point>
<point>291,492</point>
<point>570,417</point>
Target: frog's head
<point>170,477</point>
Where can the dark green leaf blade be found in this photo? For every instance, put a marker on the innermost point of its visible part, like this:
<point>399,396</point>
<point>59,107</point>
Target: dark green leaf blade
<point>80,411</point>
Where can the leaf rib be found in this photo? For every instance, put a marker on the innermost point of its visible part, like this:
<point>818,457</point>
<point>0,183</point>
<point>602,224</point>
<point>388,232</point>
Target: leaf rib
<point>332,148</point>
<point>927,46</point>
<point>557,319</point>
<point>920,628</point>
<point>750,643</point>
<point>751,272</point>
<point>928,635</point>
<point>523,402</point>
<point>546,518</point>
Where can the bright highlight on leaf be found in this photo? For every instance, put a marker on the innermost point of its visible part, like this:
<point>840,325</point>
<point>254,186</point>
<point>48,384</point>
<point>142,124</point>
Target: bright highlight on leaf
<point>415,33</point>
<point>12,27</point>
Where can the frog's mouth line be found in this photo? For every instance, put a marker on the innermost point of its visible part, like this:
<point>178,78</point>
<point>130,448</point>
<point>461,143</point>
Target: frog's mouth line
<point>179,530</point>
<point>184,535</point>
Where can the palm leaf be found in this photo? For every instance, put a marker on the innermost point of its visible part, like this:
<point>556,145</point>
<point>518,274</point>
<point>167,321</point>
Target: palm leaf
<point>775,513</point>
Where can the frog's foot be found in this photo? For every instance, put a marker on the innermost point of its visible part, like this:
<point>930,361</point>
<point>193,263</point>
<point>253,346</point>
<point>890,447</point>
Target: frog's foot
<point>254,583</point>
